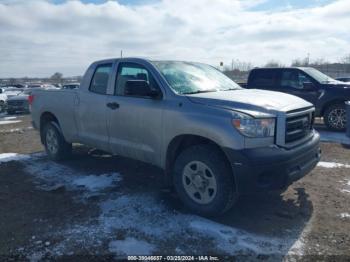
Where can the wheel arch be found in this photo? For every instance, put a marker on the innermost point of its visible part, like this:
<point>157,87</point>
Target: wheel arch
<point>181,142</point>
<point>45,118</point>
<point>330,103</point>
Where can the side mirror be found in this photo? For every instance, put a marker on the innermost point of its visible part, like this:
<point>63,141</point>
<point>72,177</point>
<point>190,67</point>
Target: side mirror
<point>309,86</point>
<point>140,88</point>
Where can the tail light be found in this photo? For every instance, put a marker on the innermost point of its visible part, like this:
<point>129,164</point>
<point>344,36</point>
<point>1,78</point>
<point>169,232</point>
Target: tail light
<point>30,99</point>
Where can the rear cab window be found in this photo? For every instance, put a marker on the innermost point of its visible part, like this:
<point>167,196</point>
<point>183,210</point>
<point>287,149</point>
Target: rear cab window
<point>99,81</point>
<point>264,78</point>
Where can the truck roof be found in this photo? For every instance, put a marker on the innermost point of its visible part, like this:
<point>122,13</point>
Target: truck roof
<point>111,60</point>
<point>290,67</point>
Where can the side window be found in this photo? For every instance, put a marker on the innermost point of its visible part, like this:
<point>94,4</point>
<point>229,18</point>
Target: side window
<point>294,79</point>
<point>133,71</point>
<point>99,81</point>
<point>264,78</point>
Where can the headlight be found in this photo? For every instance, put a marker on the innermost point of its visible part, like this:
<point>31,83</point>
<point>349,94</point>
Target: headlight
<point>254,127</point>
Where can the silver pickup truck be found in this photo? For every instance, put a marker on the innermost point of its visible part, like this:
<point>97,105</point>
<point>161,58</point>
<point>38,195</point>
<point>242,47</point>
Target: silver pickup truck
<point>213,139</point>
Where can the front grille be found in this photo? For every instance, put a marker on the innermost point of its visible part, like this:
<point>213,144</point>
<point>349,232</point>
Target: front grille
<point>298,127</point>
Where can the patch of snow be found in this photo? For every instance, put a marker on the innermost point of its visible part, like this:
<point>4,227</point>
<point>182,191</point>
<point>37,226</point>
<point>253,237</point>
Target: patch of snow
<point>7,122</point>
<point>345,215</point>
<point>15,130</point>
<point>35,257</point>
<point>146,221</point>
<point>53,176</point>
<point>12,130</point>
<point>332,165</point>
<point>8,118</point>
<point>298,247</point>
<point>232,240</point>
<point>347,186</point>
<point>131,247</point>
<point>96,183</point>
<point>6,157</point>
<point>145,215</point>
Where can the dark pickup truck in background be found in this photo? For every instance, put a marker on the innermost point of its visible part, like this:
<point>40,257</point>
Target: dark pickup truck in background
<point>327,94</point>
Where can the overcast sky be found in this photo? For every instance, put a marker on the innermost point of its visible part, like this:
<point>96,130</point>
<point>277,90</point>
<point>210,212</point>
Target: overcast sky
<point>40,37</point>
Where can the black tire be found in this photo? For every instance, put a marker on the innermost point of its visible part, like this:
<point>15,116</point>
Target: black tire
<point>63,149</point>
<point>335,117</point>
<point>225,195</point>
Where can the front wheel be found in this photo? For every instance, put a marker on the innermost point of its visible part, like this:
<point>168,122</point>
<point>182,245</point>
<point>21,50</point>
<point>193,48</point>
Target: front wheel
<point>55,145</point>
<point>204,181</point>
<point>335,117</point>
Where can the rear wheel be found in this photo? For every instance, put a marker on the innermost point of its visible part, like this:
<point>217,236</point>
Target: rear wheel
<point>335,117</point>
<point>204,181</point>
<point>55,145</point>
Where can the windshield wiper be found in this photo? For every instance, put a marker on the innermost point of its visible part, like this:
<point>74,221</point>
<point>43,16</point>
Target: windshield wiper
<point>199,91</point>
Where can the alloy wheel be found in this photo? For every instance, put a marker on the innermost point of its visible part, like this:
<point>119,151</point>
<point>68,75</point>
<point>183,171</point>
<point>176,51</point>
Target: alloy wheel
<point>337,118</point>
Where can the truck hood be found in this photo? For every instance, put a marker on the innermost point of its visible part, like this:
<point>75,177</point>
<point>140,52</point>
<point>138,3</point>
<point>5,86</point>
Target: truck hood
<point>252,101</point>
<point>18,97</point>
<point>337,85</point>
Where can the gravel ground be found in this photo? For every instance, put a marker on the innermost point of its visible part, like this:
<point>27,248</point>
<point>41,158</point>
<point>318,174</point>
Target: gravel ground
<point>99,206</point>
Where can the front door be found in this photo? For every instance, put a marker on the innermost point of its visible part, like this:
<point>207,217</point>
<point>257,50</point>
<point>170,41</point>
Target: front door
<point>296,82</point>
<point>135,123</point>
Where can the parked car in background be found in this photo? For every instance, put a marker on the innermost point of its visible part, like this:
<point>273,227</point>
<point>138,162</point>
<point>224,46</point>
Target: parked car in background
<point>3,99</point>
<point>11,91</point>
<point>343,79</point>
<point>19,102</point>
<point>214,140</point>
<point>35,86</point>
<point>327,94</point>
<point>71,86</point>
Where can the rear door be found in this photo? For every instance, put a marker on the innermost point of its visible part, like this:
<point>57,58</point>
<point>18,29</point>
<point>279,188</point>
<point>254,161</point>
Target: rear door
<point>296,82</point>
<point>135,123</point>
<point>92,110</point>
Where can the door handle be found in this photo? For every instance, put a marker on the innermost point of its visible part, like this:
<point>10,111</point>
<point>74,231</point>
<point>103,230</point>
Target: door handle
<point>113,105</point>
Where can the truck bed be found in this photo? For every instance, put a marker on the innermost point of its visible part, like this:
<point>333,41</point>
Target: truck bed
<point>61,104</point>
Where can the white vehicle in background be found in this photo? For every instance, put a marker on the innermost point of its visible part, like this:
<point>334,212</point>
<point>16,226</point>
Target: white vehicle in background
<point>3,99</point>
<point>71,86</point>
<point>5,94</point>
<point>12,91</point>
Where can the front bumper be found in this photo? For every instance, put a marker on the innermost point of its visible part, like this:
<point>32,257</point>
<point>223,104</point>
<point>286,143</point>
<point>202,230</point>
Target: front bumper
<point>272,168</point>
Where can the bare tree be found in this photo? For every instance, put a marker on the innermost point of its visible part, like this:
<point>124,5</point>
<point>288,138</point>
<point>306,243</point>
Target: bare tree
<point>273,63</point>
<point>345,59</point>
<point>301,62</point>
<point>57,77</point>
<point>320,61</point>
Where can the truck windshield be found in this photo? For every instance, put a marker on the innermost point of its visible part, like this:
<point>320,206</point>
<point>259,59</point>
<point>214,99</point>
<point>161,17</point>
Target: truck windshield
<point>193,78</point>
<point>318,76</point>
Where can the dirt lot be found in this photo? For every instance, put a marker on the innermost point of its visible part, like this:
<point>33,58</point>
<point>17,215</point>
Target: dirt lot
<point>106,207</point>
